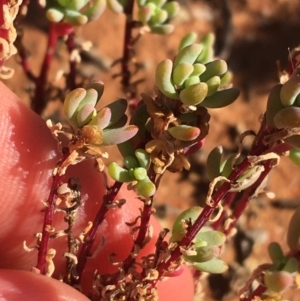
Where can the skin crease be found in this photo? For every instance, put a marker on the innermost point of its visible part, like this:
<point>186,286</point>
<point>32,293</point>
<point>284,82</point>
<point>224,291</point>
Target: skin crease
<point>28,156</point>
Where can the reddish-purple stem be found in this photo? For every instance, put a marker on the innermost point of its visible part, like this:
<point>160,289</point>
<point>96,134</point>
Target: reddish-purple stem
<point>71,81</point>
<point>227,202</point>
<point>257,292</point>
<point>39,101</point>
<point>139,241</point>
<point>127,49</point>
<point>48,217</point>
<point>85,250</point>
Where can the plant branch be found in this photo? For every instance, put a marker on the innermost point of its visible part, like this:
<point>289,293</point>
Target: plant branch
<point>90,238</point>
<point>48,218</point>
<point>71,81</point>
<point>39,100</point>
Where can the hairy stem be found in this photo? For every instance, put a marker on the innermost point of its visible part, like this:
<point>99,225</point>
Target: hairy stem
<point>90,238</point>
<point>39,100</point>
<point>48,217</point>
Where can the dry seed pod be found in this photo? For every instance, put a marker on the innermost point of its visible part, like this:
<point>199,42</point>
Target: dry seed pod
<point>291,89</point>
<point>289,117</point>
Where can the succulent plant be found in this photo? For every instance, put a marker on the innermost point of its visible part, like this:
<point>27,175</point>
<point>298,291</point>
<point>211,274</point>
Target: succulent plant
<point>135,172</point>
<point>281,273</point>
<point>157,13</point>
<point>74,12</point>
<point>206,246</point>
<point>80,111</point>
<point>194,77</point>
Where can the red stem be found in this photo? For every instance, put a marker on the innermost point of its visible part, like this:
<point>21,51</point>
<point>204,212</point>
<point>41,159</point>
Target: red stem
<point>72,63</point>
<point>39,101</point>
<point>87,246</point>
<point>127,49</point>
<point>48,218</point>
<point>257,292</point>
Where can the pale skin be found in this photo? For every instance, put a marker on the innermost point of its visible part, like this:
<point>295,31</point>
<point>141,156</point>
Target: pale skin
<point>28,155</point>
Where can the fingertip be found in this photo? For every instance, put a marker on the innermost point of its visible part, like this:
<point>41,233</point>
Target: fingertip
<point>21,285</point>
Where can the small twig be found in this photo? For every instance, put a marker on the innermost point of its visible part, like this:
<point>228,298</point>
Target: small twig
<point>90,237</point>
<point>48,218</point>
<point>39,100</point>
<point>71,81</point>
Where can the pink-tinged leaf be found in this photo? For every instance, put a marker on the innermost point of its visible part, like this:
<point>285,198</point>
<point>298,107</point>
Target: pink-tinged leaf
<point>194,148</point>
<point>102,119</point>
<point>91,97</point>
<point>118,109</point>
<point>119,124</point>
<point>85,114</point>
<point>278,281</point>
<point>184,132</point>
<point>120,135</point>
<point>98,86</point>
<point>72,101</point>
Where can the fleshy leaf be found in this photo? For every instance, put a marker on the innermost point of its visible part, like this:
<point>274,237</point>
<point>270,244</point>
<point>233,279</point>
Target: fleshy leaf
<point>214,68</point>
<point>294,155</point>
<point>146,188</point>
<point>140,173</point>
<point>278,281</point>
<point>221,99</point>
<point>143,157</point>
<point>118,109</point>
<point>187,40</point>
<point>213,162</point>
<point>274,104</point>
<point>188,54</point>
<point>288,117</point>
<point>119,135</point>
<point>193,95</point>
<point>291,89</point>
<point>184,132</point>
<point>118,173</point>
<point>130,162</point>
<point>103,118</point>
<point>213,266</point>
<point>212,237</point>
<point>204,254</point>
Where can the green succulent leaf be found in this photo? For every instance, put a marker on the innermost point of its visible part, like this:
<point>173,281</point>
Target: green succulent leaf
<point>204,254</point>
<point>214,68</point>
<point>211,237</point>
<point>221,99</point>
<point>187,40</point>
<point>288,117</point>
<point>118,173</point>
<point>181,72</point>
<point>293,233</point>
<point>294,155</point>
<point>274,104</point>
<point>291,89</point>
<point>278,281</point>
<point>188,54</point>
<point>213,162</point>
<point>213,266</point>
<point>194,94</point>
<point>130,162</point>
<point>143,157</point>
<point>163,77</point>
<point>146,188</point>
